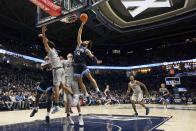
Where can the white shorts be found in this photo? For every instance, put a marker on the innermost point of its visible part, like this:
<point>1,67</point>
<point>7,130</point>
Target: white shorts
<point>137,96</point>
<point>58,76</point>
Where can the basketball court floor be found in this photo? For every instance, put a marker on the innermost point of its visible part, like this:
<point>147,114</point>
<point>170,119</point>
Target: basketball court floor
<point>105,118</point>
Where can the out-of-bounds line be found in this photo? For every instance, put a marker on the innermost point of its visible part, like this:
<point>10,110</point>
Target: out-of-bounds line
<point>160,123</point>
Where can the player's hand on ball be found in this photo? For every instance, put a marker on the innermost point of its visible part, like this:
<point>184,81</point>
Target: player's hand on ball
<point>99,61</point>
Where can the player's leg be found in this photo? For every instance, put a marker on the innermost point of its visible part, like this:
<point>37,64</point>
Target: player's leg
<point>68,107</point>
<point>65,85</point>
<point>133,99</point>
<point>36,105</point>
<point>141,102</point>
<point>93,83</point>
<point>58,79</point>
<point>65,102</point>
<point>56,83</point>
<point>108,101</point>
<point>81,83</point>
<point>49,104</point>
<point>143,105</point>
<point>68,100</point>
<point>83,87</point>
<point>76,101</point>
<point>134,107</point>
<point>164,102</point>
<point>80,118</point>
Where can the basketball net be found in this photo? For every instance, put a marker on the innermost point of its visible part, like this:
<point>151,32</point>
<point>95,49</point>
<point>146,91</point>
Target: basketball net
<point>70,19</point>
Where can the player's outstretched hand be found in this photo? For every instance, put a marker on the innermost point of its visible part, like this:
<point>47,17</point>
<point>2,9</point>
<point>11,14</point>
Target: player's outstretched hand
<point>99,61</point>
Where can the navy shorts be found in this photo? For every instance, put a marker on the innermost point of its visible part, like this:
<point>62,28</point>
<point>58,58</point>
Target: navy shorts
<point>48,90</point>
<point>80,70</point>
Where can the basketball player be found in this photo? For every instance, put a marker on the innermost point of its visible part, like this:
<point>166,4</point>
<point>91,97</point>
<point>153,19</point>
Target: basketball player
<point>137,94</point>
<point>57,68</point>
<point>107,94</point>
<point>45,86</point>
<point>81,53</point>
<point>72,83</point>
<point>164,94</point>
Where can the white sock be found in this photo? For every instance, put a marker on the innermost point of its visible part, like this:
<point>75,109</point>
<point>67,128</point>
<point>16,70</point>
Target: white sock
<point>86,94</point>
<point>36,108</point>
<point>79,113</point>
<point>97,90</point>
<point>48,113</point>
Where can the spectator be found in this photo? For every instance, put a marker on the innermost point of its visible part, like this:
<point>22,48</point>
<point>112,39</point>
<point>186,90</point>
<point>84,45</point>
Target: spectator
<point>13,99</point>
<point>190,101</point>
<point>32,100</point>
<point>19,99</point>
<point>7,101</point>
<point>184,101</point>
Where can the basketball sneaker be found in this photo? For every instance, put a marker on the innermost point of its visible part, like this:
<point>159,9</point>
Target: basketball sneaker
<point>135,114</point>
<point>89,100</point>
<point>80,120</point>
<point>147,111</point>
<point>56,109</point>
<point>47,119</point>
<point>33,112</point>
<point>70,121</point>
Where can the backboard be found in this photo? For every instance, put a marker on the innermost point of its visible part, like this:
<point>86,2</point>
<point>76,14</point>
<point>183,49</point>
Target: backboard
<point>69,7</point>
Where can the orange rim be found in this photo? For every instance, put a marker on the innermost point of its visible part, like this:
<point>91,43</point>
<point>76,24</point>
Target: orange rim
<point>73,16</point>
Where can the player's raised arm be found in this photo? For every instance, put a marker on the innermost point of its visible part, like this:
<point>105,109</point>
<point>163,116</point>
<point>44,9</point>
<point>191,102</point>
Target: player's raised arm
<point>95,60</point>
<point>79,39</point>
<point>44,38</point>
<point>145,88</point>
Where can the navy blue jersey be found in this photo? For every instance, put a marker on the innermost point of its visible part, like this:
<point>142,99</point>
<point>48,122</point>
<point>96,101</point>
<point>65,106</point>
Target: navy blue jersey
<point>80,56</point>
<point>108,92</point>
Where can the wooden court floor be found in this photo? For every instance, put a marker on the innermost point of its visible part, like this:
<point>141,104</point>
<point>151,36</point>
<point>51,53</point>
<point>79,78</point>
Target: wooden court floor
<point>183,117</point>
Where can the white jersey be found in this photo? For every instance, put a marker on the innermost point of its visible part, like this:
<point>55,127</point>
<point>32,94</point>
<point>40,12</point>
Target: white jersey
<point>68,67</point>
<point>135,87</point>
<point>163,90</point>
<point>54,59</point>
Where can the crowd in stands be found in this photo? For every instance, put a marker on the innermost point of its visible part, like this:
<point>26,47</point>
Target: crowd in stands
<point>129,55</point>
<point>18,88</point>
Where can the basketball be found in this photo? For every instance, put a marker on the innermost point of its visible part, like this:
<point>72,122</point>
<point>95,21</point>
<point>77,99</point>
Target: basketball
<point>83,17</point>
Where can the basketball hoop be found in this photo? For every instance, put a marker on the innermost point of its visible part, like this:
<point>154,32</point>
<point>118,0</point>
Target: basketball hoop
<point>70,19</point>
